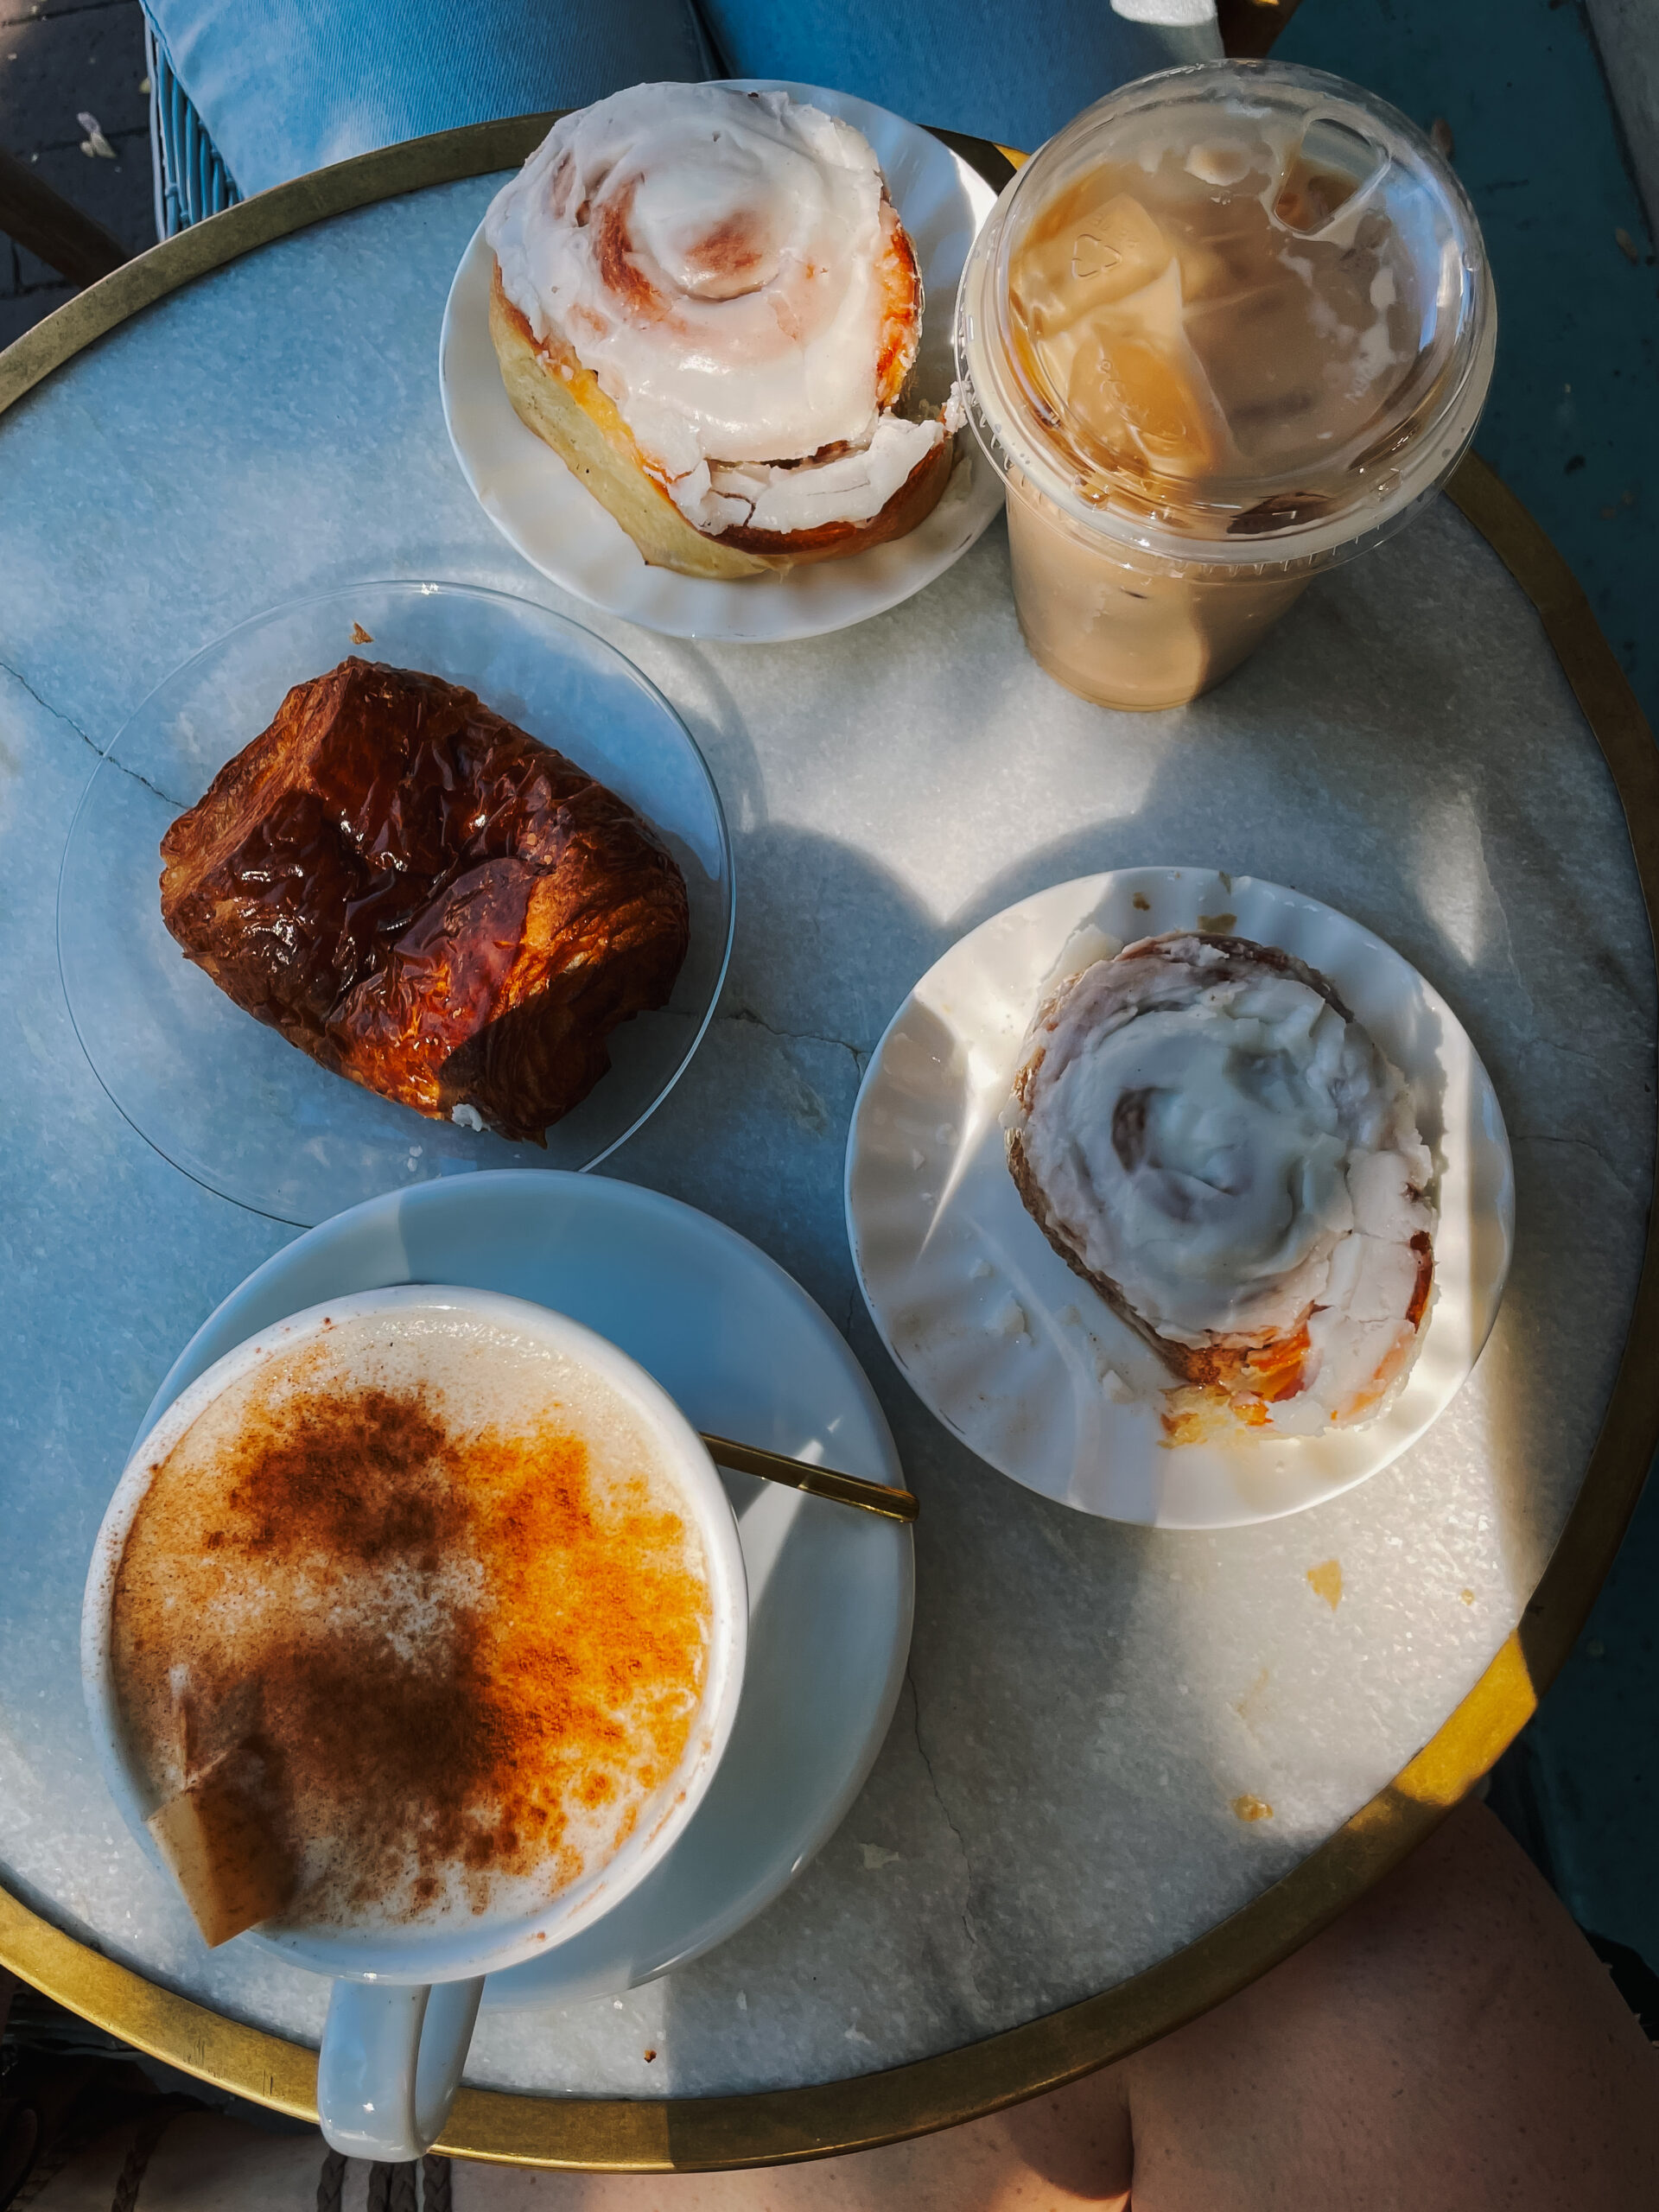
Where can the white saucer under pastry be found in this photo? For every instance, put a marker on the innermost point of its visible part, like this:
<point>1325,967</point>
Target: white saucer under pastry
<point>561,529</point>
<point>747,1355</point>
<point>1020,1358</point>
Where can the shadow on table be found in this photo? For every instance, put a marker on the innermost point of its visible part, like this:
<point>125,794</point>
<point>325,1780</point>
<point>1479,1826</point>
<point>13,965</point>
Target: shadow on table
<point>989,1819</point>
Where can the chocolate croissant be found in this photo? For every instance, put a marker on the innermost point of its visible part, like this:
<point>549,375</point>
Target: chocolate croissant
<point>426,899</point>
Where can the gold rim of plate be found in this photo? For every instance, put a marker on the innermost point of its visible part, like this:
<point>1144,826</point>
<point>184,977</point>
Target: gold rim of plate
<point>654,2135</point>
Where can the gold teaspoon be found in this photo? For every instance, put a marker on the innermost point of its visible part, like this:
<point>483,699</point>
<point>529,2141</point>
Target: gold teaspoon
<point>822,1482</point>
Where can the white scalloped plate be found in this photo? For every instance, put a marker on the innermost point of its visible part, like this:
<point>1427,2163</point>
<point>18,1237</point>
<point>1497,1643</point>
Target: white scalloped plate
<point>1017,1355</point>
<point>561,529</point>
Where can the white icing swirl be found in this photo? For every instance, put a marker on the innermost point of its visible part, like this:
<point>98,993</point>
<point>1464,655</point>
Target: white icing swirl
<point>729,267</point>
<point>1212,1135</point>
<point>1211,1140</point>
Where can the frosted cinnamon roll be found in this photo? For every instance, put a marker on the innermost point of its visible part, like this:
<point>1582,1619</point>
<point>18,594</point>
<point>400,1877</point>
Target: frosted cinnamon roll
<point>705,303</point>
<point>1205,1134</point>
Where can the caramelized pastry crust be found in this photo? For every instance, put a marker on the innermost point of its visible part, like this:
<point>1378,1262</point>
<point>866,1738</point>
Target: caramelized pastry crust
<point>425,899</point>
<point>564,404</point>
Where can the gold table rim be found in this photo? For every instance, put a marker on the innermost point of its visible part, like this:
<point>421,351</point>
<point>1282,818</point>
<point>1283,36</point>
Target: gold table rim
<point>778,2126</point>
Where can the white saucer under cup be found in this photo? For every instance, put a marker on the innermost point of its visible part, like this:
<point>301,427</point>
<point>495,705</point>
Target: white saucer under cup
<point>745,1353</point>
<point>1021,1358</point>
<point>405,1995</point>
<point>561,529</point>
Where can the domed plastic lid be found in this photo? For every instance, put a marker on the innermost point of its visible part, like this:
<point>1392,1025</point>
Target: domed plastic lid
<point>1239,303</point>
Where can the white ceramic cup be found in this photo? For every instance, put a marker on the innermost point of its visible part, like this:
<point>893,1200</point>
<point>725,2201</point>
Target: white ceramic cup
<point>401,2013</point>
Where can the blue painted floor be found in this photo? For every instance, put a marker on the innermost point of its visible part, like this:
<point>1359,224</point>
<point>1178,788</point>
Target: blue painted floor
<point>1573,426</point>
<point>1573,423</point>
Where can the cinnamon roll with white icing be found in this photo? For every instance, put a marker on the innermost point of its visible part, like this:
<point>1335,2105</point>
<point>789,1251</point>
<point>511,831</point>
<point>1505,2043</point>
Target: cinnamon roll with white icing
<point>1205,1134</point>
<point>705,303</point>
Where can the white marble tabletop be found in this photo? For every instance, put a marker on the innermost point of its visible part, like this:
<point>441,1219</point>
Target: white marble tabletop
<point>1053,1809</point>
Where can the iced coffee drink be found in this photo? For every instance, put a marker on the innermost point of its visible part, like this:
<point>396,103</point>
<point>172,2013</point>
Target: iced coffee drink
<point>1232,325</point>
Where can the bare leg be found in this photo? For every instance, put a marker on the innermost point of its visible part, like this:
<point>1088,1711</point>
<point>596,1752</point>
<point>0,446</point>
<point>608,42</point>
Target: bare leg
<point>1451,2045</point>
<point>1452,2042</point>
<point>984,2167</point>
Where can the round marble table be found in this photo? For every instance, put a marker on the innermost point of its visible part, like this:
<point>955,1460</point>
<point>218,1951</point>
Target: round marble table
<point>1046,1866</point>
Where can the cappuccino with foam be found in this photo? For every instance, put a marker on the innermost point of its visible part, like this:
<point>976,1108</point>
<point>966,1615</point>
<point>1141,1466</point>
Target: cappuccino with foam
<point>413,1621</point>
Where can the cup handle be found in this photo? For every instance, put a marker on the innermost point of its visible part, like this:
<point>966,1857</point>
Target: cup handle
<point>391,2064</point>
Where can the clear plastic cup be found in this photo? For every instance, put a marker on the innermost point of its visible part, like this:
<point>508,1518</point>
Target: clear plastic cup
<point>1231,325</point>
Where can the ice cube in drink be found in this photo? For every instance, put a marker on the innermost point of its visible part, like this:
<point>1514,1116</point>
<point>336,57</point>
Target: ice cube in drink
<point>1196,317</point>
<point>1228,327</point>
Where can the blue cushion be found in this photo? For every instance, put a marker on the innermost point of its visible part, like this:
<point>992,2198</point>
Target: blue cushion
<point>288,85</point>
<point>1011,70</point>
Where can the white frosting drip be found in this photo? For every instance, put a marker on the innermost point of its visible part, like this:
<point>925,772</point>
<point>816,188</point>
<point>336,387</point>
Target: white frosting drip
<point>851,488</point>
<point>717,259</point>
<point>1231,1153</point>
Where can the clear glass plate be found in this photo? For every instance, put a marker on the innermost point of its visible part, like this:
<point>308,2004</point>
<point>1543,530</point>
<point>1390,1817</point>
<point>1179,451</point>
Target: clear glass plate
<point>227,1100</point>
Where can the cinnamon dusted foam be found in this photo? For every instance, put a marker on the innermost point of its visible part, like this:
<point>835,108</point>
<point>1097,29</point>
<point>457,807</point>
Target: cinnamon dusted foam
<point>430,1590</point>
